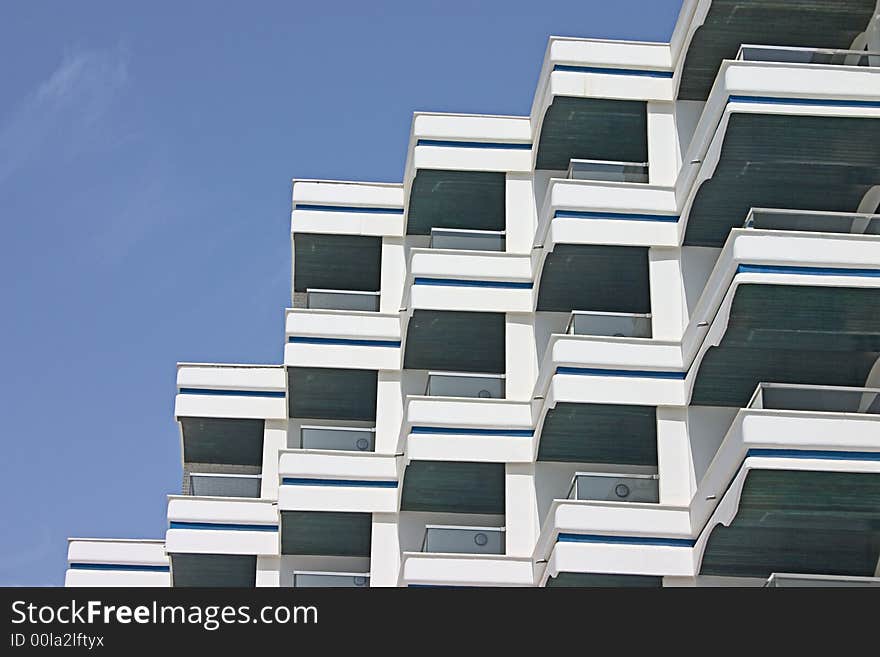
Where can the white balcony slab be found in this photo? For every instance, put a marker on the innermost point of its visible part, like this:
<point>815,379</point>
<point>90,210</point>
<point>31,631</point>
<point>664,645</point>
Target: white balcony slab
<point>347,208</point>
<point>333,480</point>
<point>218,525</point>
<point>231,391</point>
<point>116,562</point>
<point>427,569</point>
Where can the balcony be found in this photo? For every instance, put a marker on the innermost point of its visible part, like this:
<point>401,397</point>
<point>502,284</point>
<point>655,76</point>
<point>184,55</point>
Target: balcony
<point>823,56</point>
<point>465,384</point>
<point>467,240</point>
<point>221,525</point>
<point>327,580</point>
<point>446,539</point>
<point>225,391</point>
<point>347,208</point>
<point>851,223</point>
<point>351,439</point>
<point>333,480</point>
<point>318,299</point>
<point>609,171</point>
<point>116,562</point>
<point>209,484</point>
<point>620,325</point>
<point>612,487</point>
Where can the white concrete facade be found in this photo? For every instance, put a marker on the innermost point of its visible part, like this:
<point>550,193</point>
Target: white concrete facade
<point>402,442</point>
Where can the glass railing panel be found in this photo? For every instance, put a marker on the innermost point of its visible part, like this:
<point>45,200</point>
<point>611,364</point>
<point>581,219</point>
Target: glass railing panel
<point>352,439</point>
<point>851,223</point>
<point>628,325</point>
<point>307,579</point>
<point>468,240</point>
<point>792,55</point>
<point>610,487</point>
<point>463,540</point>
<point>449,384</point>
<point>780,580</point>
<point>224,485</point>
<point>607,170</point>
<point>317,299</point>
<point>792,397</point>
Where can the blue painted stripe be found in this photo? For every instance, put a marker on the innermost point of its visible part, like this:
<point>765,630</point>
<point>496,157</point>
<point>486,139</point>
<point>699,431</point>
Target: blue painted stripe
<point>613,71</point>
<point>628,540</point>
<point>618,216</point>
<point>815,454</point>
<point>223,526</point>
<point>344,341</point>
<point>453,282</point>
<point>347,208</point>
<point>278,394</point>
<point>360,483</point>
<point>816,271</point>
<point>474,144</point>
<point>118,566</point>
<point>639,374</point>
<point>449,431</point>
<point>830,102</point>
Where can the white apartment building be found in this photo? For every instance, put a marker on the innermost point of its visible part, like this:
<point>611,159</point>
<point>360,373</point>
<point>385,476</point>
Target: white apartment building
<point>631,339</point>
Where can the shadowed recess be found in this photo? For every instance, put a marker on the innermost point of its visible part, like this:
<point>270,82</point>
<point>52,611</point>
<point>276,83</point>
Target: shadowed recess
<point>600,433</point>
<point>337,262</point>
<point>599,278</point>
<point>731,23</point>
<point>728,375</point>
<point>456,199</point>
<point>331,394</point>
<point>805,317</point>
<point>453,487</point>
<point>455,341</point>
<point>233,570</point>
<point>220,440</point>
<point>603,580</point>
<point>326,533</point>
<point>792,521</point>
<point>784,161</point>
<point>592,129</point>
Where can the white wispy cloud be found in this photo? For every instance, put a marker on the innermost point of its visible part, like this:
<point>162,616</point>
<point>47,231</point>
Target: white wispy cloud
<point>63,112</point>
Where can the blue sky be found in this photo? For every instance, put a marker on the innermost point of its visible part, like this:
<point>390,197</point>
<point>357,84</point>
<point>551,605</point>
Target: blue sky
<point>146,153</point>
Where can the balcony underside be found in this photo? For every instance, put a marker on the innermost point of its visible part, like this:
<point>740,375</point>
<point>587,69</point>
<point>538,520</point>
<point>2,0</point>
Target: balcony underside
<point>731,23</point>
<point>222,441</point>
<point>600,433</point>
<point>800,522</point>
<point>785,161</point>
<point>455,341</point>
<point>791,334</point>
<point>609,279</point>
<point>332,394</point>
<point>213,570</point>
<point>592,129</point>
<point>326,533</point>
<point>456,199</point>
<point>453,487</point>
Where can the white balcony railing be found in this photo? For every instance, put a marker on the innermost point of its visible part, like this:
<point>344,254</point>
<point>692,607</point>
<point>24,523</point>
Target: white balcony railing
<point>608,170</point>
<point>612,487</point>
<point>448,539</point>
<point>209,484</point>
<point>813,221</point>
<point>320,299</point>
<point>629,325</point>
<point>465,384</point>
<point>829,399</point>
<point>326,580</point>
<point>467,240</point>
<point>352,439</point>
<point>793,55</point>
